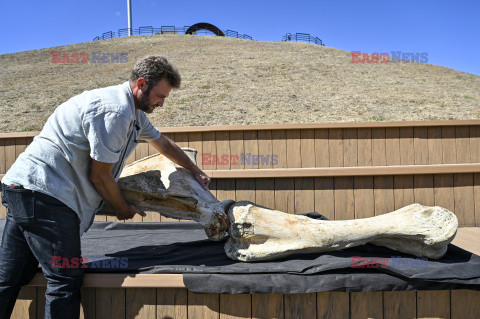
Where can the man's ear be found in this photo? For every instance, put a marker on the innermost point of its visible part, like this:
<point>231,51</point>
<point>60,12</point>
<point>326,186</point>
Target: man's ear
<point>141,84</point>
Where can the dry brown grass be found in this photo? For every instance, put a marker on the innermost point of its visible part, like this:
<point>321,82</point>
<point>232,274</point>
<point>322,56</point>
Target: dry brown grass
<point>234,81</point>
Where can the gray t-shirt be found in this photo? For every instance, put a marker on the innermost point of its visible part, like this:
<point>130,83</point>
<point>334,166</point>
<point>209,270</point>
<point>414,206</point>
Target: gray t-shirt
<point>102,124</point>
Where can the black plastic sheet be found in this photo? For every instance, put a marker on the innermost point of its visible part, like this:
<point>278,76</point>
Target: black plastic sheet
<point>183,247</point>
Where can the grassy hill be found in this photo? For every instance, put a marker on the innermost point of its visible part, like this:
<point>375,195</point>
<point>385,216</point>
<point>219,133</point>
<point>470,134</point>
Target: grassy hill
<point>235,81</point>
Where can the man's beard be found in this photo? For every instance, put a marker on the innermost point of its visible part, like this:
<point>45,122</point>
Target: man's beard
<point>144,103</point>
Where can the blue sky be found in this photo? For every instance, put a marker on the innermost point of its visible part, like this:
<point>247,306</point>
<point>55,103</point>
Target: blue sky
<point>448,30</point>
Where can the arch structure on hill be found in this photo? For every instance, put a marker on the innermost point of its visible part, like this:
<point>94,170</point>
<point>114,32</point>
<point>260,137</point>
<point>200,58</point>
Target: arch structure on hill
<point>205,26</point>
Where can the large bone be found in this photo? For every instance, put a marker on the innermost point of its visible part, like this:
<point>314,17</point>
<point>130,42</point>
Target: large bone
<point>156,184</point>
<point>262,234</point>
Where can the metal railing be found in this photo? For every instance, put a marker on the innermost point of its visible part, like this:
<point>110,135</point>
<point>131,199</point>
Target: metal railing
<point>166,30</point>
<point>303,37</point>
<point>145,30</point>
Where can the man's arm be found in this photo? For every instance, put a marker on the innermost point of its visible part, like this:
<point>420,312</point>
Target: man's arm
<point>105,184</point>
<point>174,153</point>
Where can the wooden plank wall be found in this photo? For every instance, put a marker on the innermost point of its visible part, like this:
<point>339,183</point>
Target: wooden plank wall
<point>359,196</point>
<point>321,147</point>
<point>336,197</point>
<point>156,303</point>
<point>335,147</point>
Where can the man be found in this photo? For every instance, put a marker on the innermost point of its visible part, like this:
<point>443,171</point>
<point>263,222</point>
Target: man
<point>56,186</point>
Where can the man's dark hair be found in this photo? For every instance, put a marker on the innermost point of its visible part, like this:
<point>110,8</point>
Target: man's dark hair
<point>154,68</point>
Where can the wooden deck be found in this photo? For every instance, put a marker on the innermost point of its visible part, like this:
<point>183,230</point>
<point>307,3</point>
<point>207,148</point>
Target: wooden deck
<point>468,238</point>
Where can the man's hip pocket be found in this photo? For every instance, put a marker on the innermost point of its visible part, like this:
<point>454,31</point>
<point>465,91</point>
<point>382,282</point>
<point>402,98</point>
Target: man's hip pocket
<point>21,204</point>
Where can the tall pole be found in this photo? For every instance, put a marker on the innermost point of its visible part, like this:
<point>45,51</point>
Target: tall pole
<point>129,9</point>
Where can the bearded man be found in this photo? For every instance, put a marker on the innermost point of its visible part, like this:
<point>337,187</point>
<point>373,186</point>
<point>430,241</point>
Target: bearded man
<point>55,187</point>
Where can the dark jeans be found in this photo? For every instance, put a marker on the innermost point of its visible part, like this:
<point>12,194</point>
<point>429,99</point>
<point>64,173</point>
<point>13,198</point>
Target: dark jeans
<point>39,227</point>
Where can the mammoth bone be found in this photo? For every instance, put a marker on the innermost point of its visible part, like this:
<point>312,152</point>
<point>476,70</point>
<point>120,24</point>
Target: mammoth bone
<point>156,184</point>
<point>258,233</point>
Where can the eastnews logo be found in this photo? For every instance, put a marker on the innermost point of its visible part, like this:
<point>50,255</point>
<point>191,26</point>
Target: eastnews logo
<point>393,262</point>
<point>82,57</point>
<point>91,262</point>
<point>397,57</point>
<point>242,159</point>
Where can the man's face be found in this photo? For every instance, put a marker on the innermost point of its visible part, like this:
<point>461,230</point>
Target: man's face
<point>148,101</point>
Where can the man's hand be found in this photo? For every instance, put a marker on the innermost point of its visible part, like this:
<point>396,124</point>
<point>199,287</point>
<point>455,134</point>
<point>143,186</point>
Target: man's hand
<point>128,212</point>
<point>107,187</point>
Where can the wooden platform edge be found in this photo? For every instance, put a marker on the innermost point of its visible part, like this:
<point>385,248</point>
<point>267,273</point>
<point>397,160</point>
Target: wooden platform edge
<point>343,171</point>
<point>122,280</point>
<point>293,126</point>
<point>468,238</point>
<point>346,171</point>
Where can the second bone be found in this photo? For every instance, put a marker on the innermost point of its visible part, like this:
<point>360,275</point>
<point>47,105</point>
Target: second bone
<point>258,233</point>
